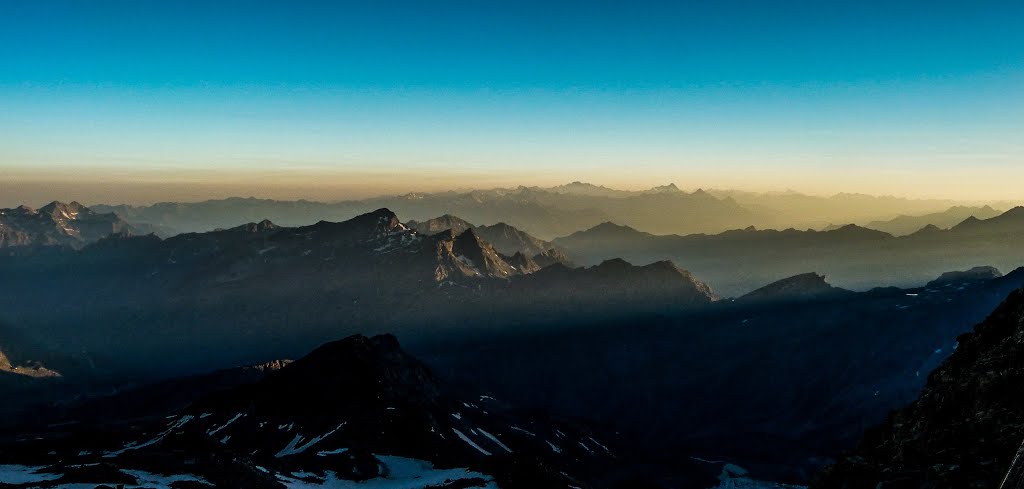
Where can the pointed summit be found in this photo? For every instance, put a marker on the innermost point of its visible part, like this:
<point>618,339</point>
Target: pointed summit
<point>928,229</point>
<point>523,263</point>
<point>479,255</point>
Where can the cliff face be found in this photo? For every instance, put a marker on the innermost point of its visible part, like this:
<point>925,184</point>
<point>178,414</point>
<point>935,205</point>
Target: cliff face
<point>964,429</point>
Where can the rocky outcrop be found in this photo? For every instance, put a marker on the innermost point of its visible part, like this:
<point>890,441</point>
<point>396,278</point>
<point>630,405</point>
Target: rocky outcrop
<point>963,430</point>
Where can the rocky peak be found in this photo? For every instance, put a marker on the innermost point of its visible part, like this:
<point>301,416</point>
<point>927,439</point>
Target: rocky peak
<point>479,255</point>
<point>523,263</point>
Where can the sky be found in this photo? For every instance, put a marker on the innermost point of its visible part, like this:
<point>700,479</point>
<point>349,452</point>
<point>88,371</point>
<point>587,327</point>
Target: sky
<point>139,101</point>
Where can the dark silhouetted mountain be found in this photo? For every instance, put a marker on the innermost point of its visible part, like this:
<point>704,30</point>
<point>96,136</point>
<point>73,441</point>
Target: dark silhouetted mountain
<point>976,274</point>
<point>966,426</point>
<point>57,224</point>
<point>438,224</point>
<point>904,225</point>
<point>1009,222</point>
<point>359,409</point>
<point>801,287</point>
<point>613,283</point>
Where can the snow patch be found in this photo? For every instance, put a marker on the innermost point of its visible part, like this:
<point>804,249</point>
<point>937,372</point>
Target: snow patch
<point>471,443</point>
<point>296,446</point>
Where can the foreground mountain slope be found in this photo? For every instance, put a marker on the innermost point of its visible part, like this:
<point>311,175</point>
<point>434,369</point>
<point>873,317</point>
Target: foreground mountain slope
<point>776,387</point>
<point>966,426</point>
<point>355,410</point>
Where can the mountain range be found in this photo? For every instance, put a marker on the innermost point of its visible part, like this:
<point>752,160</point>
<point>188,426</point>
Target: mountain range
<point>238,294</point>
<point>903,225</point>
<point>558,211</point>
<point>854,257</point>
<point>780,377</point>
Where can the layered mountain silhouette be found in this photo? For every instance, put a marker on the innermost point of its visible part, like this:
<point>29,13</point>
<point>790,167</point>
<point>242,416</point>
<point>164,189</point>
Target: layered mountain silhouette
<point>542,212</point>
<point>354,410</point>
<point>236,293</point>
<point>854,257</point>
<point>776,381</point>
<point>965,428</point>
<point>58,224</point>
<point>903,225</point>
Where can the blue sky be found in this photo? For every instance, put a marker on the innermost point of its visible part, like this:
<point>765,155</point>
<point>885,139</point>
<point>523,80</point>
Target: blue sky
<point>918,98</point>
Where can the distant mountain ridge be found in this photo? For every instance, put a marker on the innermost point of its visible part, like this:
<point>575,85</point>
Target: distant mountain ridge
<point>904,225</point>
<point>853,256</point>
<point>549,212</point>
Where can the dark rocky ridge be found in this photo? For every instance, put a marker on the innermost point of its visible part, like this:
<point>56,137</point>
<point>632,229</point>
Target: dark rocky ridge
<point>976,274</point>
<point>963,430</point>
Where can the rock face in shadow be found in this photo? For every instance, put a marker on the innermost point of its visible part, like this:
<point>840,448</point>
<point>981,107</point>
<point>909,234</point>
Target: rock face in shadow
<point>964,429</point>
<point>976,274</point>
<point>801,287</point>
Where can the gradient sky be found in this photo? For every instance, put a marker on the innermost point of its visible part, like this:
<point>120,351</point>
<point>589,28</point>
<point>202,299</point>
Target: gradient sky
<point>153,100</point>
